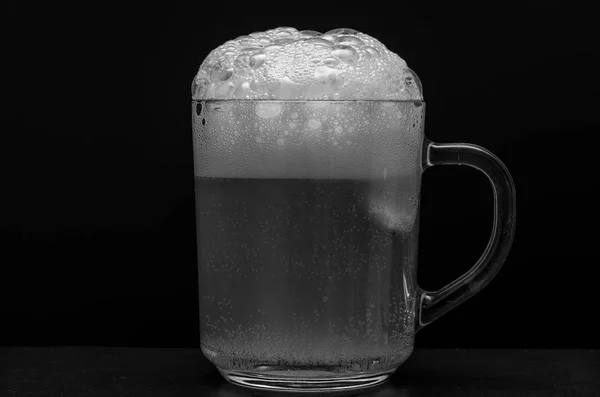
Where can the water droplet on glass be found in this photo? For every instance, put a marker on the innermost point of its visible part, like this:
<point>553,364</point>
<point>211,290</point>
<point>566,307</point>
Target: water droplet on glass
<point>314,124</point>
<point>267,110</point>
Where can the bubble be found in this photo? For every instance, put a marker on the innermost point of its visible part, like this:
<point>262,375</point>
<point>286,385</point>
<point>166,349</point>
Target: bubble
<point>267,110</point>
<point>322,72</point>
<point>342,31</point>
<point>263,40</point>
<point>224,90</point>
<point>320,42</point>
<point>272,48</point>
<point>283,34</point>
<point>257,60</point>
<point>349,40</point>
<point>218,74</point>
<point>331,61</point>
<point>280,141</point>
<point>345,53</point>
<point>339,129</point>
<point>309,33</point>
<point>242,90</point>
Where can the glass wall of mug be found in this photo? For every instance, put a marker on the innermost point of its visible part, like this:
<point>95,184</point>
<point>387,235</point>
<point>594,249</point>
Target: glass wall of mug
<point>307,220</point>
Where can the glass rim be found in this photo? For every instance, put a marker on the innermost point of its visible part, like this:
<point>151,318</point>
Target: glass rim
<point>310,100</point>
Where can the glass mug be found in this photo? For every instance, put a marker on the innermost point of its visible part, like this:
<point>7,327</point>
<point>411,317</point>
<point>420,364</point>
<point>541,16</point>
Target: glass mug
<point>307,221</point>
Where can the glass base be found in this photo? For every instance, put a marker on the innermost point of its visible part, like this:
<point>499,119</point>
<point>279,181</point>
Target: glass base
<point>304,380</point>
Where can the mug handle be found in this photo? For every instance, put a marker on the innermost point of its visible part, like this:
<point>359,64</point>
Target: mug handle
<point>432,304</point>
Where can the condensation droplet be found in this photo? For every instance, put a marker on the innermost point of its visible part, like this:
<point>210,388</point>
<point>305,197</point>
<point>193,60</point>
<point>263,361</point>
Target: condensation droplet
<point>338,129</point>
<point>314,124</point>
<point>280,141</point>
<point>331,61</point>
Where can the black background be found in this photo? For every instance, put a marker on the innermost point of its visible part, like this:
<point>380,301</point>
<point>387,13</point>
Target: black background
<point>96,180</point>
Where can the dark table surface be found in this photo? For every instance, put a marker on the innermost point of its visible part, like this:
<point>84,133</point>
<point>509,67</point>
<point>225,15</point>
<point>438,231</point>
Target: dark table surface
<point>117,371</point>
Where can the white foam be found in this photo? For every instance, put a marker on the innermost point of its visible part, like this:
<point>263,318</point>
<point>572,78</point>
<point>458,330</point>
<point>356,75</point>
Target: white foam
<point>285,63</point>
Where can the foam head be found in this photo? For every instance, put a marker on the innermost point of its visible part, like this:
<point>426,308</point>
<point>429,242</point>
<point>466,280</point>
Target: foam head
<point>287,64</point>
